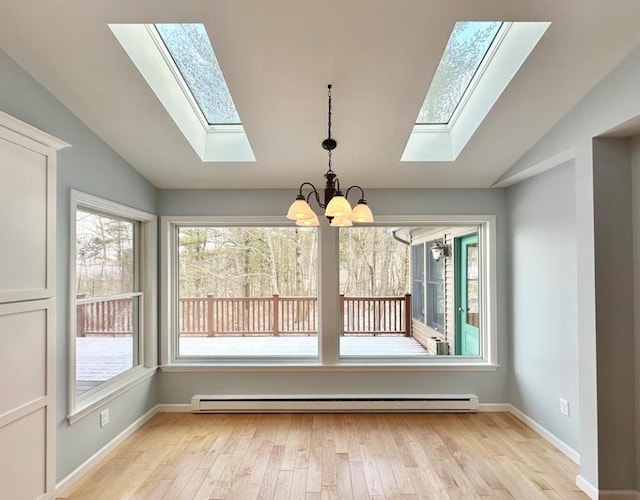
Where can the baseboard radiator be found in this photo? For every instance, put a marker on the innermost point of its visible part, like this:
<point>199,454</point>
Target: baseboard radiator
<point>455,403</point>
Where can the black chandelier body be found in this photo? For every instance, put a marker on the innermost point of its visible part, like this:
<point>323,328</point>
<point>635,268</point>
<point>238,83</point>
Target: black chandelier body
<point>335,203</point>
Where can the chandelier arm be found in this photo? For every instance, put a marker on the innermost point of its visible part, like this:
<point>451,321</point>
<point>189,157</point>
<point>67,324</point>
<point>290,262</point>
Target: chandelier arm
<point>346,195</point>
<point>313,191</point>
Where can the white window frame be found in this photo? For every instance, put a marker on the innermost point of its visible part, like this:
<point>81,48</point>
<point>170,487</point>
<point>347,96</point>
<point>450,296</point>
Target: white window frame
<point>169,284</point>
<point>146,262</point>
<point>328,296</point>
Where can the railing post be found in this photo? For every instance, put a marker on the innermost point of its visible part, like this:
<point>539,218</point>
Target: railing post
<point>210,330</point>
<point>341,315</point>
<point>407,315</point>
<point>276,315</point>
<point>80,314</point>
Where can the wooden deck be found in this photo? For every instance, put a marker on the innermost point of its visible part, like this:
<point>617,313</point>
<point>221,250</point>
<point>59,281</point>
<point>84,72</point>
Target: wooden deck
<point>101,358</point>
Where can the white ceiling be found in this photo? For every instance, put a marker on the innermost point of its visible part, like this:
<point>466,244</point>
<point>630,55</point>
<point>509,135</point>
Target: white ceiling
<point>278,56</point>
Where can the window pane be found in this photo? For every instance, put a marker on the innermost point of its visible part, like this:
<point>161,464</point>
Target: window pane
<point>473,302</point>
<point>104,255</point>
<point>247,291</point>
<point>105,340</point>
<point>193,54</point>
<point>417,286</point>
<point>374,300</point>
<point>435,291</point>
<point>467,46</point>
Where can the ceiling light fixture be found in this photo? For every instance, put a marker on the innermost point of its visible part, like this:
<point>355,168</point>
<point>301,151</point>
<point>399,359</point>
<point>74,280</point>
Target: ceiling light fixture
<point>336,206</point>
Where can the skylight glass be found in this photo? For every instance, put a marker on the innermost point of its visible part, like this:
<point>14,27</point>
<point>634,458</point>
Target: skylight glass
<point>468,45</point>
<point>193,54</point>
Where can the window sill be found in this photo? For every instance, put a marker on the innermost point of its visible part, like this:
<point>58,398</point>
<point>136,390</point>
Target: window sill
<point>345,366</point>
<point>87,406</point>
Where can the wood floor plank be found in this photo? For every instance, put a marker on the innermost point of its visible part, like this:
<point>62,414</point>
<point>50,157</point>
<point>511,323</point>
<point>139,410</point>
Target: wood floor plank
<point>325,456</point>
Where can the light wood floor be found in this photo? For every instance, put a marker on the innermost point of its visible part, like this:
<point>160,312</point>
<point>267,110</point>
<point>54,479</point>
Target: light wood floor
<point>317,456</point>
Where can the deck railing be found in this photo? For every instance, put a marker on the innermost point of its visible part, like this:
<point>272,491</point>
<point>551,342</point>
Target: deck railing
<point>257,316</point>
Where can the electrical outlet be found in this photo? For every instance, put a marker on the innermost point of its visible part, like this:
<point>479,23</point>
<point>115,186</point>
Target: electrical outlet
<point>564,407</point>
<point>104,417</point>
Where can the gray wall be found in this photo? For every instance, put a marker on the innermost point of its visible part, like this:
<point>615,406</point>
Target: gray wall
<point>614,312</point>
<point>90,166</point>
<point>489,386</point>
<point>543,305</point>
<point>615,101</point>
<point>635,202</point>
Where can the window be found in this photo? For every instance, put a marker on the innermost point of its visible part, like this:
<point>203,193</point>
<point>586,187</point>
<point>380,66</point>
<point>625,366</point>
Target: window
<point>246,291</point>
<point>417,287</point>
<point>111,300</point>
<point>193,54</point>
<point>249,291</point>
<point>467,47</point>
<point>179,64</point>
<point>477,64</point>
<point>435,290</point>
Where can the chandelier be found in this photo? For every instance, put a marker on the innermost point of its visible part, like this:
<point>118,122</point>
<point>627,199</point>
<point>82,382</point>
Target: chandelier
<point>336,206</point>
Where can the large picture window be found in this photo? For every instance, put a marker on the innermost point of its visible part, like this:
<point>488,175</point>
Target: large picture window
<point>246,291</point>
<point>243,290</point>
<point>110,298</point>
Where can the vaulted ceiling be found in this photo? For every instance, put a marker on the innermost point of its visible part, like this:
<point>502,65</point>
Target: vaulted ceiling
<point>278,56</point>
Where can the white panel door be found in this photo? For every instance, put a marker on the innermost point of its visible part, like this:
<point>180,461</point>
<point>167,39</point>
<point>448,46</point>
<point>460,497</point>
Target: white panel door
<point>27,327</point>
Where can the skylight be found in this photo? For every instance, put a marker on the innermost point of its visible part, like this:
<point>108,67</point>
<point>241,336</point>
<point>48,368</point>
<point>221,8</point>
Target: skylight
<point>467,47</point>
<point>477,64</point>
<point>178,63</point>
<point>193,54</point>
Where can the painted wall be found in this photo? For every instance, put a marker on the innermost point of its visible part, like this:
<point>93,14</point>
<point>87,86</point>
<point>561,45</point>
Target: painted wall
<point>635,221</point>
<point>614,312</point>
<point>543,303</point>
<point>489,386</point>
<point>613,103</point>
<point>89,166</point>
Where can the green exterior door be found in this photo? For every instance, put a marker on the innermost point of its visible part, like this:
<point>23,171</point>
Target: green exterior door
<point>467,293</point>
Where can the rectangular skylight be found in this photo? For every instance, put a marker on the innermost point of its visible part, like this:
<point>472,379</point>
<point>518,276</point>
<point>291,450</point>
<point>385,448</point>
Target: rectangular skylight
<point>468,45</point>
<point>192,52</point>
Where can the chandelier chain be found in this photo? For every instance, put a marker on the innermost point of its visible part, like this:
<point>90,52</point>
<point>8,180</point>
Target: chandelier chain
<point>330,171</point>
<point>329,115</point>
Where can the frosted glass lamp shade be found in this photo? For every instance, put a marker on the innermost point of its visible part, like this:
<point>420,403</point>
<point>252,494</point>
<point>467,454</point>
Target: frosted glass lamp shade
<point>313,222</point>
<point>300,210</point>
<point>342,221</point>
<point>338,206</point>
<point>361,212</point>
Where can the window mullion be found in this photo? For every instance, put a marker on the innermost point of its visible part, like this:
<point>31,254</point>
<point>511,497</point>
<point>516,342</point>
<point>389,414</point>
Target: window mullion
<point>328,293</point>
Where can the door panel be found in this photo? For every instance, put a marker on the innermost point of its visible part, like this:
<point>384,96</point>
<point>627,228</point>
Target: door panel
<point>467,291</point>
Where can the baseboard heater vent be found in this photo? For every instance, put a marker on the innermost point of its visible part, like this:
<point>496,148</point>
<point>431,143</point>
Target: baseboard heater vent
<point>459,403</point>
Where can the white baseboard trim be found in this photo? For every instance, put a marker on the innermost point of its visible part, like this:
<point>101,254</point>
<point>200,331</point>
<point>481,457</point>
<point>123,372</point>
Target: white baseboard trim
<point>494,407</point>
<point>83,468</point>
<point>590,490</point>
<point>561,445</point>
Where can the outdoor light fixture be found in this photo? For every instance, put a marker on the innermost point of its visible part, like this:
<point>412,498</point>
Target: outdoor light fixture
<point>439,250</point>
<point>336,207</point>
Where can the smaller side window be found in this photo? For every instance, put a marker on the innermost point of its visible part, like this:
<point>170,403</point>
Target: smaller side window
<point>435,290</point>
<point>112,315</point>
<point>417,282</point>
